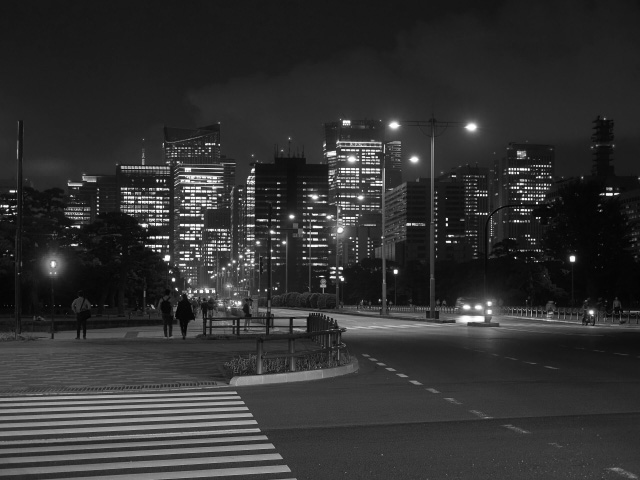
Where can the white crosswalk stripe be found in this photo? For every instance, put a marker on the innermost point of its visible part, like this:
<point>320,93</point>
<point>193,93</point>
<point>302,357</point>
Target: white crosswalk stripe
<point>165,435</point>
<point>390,327</point>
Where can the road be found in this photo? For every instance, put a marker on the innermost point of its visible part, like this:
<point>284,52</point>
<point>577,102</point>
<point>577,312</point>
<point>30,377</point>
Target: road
<point>526,400</point>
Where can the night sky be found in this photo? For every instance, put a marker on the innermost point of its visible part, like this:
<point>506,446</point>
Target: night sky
<point>90,79</point>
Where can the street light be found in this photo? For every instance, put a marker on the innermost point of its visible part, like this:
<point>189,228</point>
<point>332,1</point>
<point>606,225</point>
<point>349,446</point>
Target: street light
<point>395,286</point>
<point>433,125</point>
<point>53,272</point>
<point>339,230</point>
<point>572,260</point>
<point>314,197</point>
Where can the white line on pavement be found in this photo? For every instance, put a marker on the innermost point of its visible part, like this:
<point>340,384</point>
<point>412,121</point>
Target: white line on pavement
<point>516,429</point>
<point>453,400</point>
<point>402,375</point>
<point>391,369</point>
<point>550,368</point>
<point>622,472</point>
<point>432,390</point>
<point>415,382</point>
<point>480,414</point>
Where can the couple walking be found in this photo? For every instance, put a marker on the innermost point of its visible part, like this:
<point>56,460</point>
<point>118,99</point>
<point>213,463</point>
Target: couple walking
<point>184,314</point>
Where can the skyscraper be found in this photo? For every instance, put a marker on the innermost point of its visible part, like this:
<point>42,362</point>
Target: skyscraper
<point>475,180</point>
<point>353,150</point>
<point>297,193</point>
<point>144,195</point>
<point>523,179</point>
<point>203,180</point>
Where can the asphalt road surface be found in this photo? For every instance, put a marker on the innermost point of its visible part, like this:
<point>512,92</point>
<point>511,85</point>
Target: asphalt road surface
<point>526,400</point>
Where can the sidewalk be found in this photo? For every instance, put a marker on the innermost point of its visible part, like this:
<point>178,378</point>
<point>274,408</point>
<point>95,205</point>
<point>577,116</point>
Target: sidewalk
<point>117,359</point>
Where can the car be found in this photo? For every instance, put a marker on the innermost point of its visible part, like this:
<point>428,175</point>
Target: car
<point>469,306</point>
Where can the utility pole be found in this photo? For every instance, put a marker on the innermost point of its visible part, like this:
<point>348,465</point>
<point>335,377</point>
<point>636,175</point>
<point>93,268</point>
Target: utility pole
<point>18,244</point>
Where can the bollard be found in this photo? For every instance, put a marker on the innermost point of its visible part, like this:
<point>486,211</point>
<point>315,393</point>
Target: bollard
<point>259,356</point>
<point>292,359</point>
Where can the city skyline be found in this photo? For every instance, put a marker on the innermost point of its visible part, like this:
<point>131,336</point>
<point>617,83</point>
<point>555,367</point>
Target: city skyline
<point>90,81</point>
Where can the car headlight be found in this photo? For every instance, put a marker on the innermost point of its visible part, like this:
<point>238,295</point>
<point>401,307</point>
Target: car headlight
<point>478,307</point>
<point>591,312</point>
<point>466,307</point>
<point>489,311</point>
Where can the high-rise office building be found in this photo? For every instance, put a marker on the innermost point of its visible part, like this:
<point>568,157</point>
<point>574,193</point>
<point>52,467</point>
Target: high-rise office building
<point>407,226</point>
<point>476,203</point>
<point>523,179</point>
<point>602,147</point>
<point>296,194</point>
<point>144,195</point>
<point>94,195</point>
<point>203,180</point>
<point>354,151</point>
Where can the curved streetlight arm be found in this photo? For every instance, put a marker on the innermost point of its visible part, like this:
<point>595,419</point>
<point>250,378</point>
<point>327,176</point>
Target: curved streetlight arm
<point>486,238</point>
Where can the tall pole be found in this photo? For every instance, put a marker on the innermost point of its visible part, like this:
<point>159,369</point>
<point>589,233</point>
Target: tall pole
<point>337,254</point>
<point>18,244</point>
<point>269,265</point>
<point>383,307</point>
<point>309,251</point>
<point>432,226</point>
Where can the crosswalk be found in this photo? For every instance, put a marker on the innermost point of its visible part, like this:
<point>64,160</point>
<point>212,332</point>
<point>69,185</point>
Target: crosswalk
<point>163,436</point>
<point>393,327</point>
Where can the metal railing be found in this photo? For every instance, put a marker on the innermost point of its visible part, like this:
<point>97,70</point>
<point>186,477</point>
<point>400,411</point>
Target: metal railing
<point>572,314</point>
<point>322,330</point>
<point>210,324</point>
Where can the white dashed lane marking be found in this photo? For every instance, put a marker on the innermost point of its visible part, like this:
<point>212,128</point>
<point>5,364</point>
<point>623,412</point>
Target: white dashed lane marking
<point>480,414</point>
<point>453,400</point>
<point>622,472</point>
<point>516,429</point>
<point>432,390</point>
<point>415,382</point>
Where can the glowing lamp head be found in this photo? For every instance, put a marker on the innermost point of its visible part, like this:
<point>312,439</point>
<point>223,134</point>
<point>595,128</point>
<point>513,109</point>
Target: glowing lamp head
<point>471,127</point>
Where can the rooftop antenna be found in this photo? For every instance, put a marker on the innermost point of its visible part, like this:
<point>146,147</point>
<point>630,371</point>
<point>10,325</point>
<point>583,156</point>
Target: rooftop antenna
<point>289,148</point>
<point>143,156</point>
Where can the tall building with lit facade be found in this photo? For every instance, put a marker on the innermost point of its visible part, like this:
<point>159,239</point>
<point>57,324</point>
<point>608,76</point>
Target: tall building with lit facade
<point>475,181</point>
<point>354,151</point>
<point>144,195</point>
<point>202,181</point>
<point>94,195</point>
<point>522,177</point>
<point>292,197</point>
<point>407,227</point>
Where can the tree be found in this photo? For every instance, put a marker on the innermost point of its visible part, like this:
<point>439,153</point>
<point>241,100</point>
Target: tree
<point>585,222</point>
<point>114,253</point>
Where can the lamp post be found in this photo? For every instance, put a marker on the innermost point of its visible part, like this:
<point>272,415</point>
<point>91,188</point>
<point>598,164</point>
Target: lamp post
<point>433,125</point>
<point>314,197</point>
<point>339,230</point>
<point>395,286</point>
<point>53,272</point>
<point>572,260</point>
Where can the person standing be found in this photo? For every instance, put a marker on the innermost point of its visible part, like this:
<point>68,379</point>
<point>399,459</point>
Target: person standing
<point>166,309</point>
<point>184,314</point>
<point>81,306</point>
<point>246,309</point>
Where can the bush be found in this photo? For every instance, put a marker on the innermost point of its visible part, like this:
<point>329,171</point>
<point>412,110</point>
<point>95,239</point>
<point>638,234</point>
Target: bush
<point>291,299</point>
<point>247,365</point>
<point>313,300</point>
<point>304,300</point>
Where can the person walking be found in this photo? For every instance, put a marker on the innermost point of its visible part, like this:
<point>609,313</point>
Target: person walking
<point>166,309</point>
<point>246,309</point>
<point>617,309</point>
<point>184,314</point>
<point>81,306</point>
<point>204,306</point>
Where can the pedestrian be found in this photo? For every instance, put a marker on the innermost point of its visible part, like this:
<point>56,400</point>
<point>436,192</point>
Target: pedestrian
<point>212,305</point>
<point>166,309</point>
<point>184,314</point>
<point>81,306</point>
<point>195,306</point>
<point>617,309</point>
<point>204,306</point>
<point>246,308</point>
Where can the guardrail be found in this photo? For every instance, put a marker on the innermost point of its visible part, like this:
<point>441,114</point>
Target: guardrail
<point>235,323</point>
<point>322,330</point>
<point>571,313</point>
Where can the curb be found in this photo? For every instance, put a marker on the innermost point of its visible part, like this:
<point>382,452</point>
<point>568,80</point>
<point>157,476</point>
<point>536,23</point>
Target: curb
<point>273,378</point>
